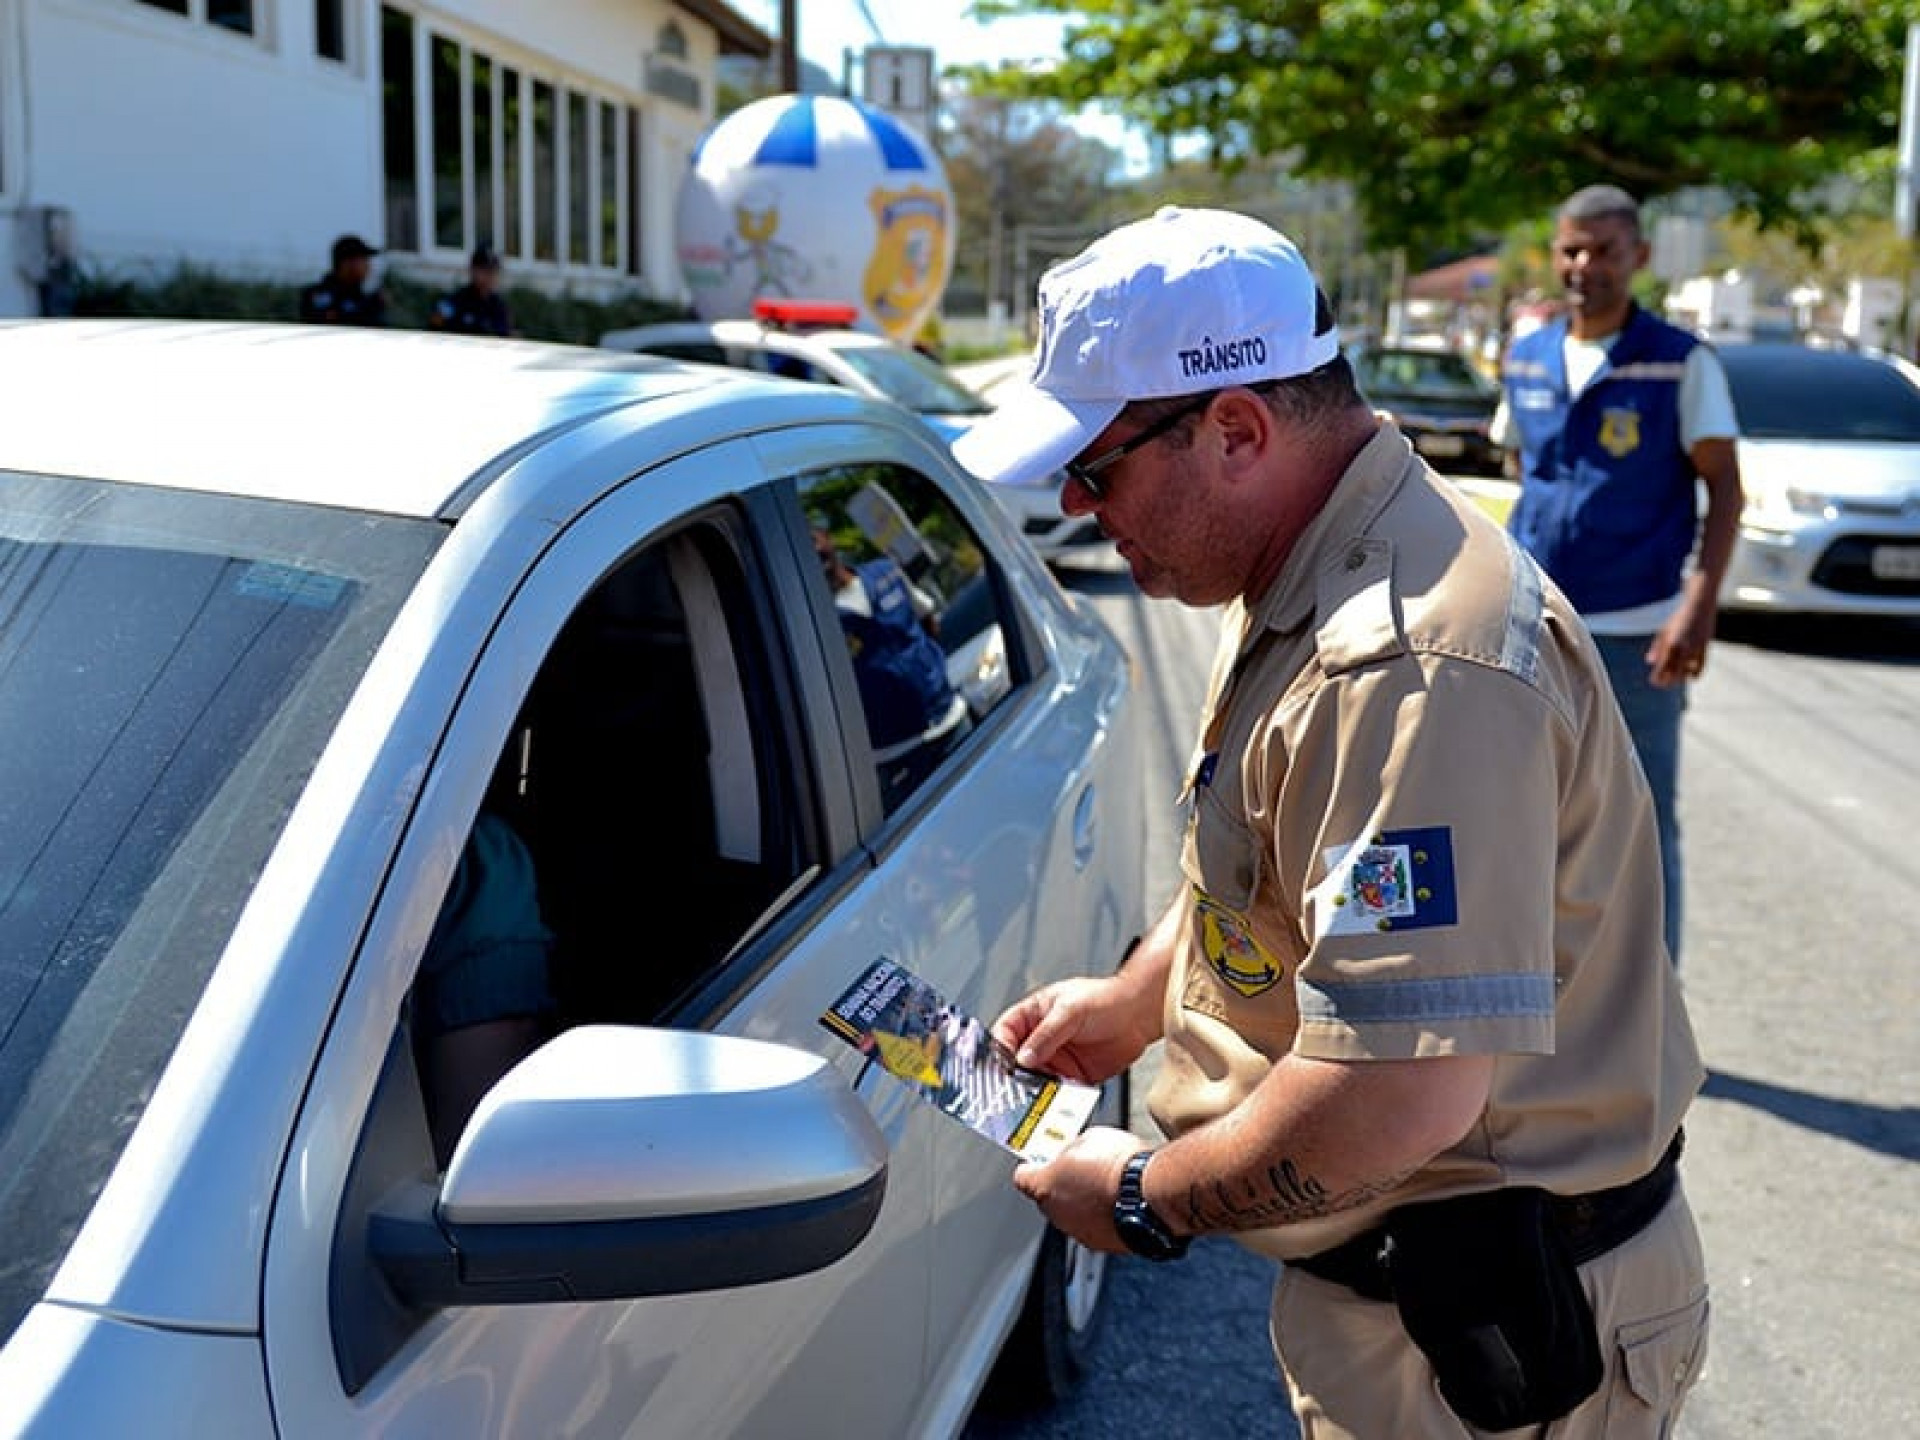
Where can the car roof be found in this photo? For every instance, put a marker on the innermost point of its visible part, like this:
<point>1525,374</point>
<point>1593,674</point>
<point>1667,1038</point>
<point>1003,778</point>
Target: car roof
<point>387,420</point>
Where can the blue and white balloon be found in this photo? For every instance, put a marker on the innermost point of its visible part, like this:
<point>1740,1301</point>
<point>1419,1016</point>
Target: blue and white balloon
<point>815,197</point>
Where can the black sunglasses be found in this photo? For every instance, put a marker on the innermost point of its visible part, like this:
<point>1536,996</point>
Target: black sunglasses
<point>1087,471</point>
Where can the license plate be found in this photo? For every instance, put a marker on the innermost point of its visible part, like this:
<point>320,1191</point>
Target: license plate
<point>1440,445</point>
<point>1895,562</point>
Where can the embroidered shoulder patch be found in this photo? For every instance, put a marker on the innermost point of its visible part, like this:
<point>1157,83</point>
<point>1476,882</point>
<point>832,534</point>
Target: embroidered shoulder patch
<point>1231,949</point>
<point>1396,880</point>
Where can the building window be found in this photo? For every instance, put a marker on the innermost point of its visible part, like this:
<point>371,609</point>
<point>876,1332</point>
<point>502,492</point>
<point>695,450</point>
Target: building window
<point>481,152</point>
<point>636,248</point>
<point>512,133</point>
<point>397,122</point>
<point>579,168</point>
<point>330,30</point>
<point>609,253</point>
<point>449,229</point>
<point>234,15</point>
<point>546,178</point>
<point>486,130</point>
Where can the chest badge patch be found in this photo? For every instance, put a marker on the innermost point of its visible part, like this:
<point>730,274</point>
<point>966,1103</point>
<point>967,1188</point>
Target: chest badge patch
<point>1620,431</point>
<point>1236,957</point>
<point>1396,880</point>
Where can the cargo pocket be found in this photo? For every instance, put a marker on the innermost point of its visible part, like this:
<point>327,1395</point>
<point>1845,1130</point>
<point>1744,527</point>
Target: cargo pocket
<point>1660,1358</point>
<point>1221,856</point>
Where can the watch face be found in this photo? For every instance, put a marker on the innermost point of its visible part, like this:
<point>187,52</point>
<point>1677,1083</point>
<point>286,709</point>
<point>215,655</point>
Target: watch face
<point>1144,1237</point>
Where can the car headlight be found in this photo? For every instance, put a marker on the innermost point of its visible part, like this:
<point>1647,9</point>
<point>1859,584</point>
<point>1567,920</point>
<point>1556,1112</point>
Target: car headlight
<point>1780,502</point>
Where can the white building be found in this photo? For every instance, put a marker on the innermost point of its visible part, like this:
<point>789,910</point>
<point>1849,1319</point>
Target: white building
<point>244,135</point>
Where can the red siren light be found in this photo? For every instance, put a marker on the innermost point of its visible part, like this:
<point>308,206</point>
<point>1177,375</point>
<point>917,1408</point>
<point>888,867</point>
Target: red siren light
<point>796,314</point>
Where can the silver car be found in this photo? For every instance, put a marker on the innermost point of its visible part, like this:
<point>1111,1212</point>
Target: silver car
<point>1830,465</point>
<point>870,365</point>
<point>441,798</point>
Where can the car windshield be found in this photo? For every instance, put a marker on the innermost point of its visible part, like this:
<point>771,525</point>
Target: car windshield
<point>171,665</point>
<point>1425,374</point>
<point>910,379</point>
<point>1791,393</point>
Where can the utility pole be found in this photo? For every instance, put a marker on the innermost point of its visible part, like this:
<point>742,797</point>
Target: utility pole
<point>790,46</point>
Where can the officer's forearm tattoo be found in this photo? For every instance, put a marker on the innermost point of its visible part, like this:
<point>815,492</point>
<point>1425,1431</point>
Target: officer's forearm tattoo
<point>1280,1195</point>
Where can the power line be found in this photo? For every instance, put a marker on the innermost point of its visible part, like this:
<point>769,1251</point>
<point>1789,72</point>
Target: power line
<point>866,13</point>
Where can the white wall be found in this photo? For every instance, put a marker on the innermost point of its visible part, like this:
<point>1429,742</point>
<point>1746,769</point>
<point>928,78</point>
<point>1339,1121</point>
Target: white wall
<point>171,140</point>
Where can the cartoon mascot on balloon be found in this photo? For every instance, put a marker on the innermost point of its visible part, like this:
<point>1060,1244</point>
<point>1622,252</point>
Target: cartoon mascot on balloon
<point>817,197</point>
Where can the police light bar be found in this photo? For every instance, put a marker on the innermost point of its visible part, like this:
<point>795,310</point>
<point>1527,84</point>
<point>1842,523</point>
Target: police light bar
<point>791,313</point>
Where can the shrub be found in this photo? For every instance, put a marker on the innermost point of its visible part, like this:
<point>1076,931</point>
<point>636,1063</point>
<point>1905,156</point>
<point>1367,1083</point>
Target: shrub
<point>194,292</point>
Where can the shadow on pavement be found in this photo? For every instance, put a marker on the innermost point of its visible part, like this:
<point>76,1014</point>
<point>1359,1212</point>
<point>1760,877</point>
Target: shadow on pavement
<point>1891,1130</point>
<point>1853,637</point>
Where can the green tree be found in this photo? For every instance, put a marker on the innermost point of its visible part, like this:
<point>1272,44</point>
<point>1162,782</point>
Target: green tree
<point>1453,119</point>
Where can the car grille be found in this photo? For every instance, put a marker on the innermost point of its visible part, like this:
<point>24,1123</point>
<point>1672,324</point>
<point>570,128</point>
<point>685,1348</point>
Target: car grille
<point>1848,567</point>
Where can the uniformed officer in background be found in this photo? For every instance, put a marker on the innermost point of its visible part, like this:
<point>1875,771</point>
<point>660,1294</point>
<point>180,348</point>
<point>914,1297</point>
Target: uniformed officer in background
<point>477,307</point>
<point>341,296</point>
<point>1422,1043</point>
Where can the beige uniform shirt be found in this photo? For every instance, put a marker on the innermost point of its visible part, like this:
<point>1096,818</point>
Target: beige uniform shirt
<point>1417,828</point>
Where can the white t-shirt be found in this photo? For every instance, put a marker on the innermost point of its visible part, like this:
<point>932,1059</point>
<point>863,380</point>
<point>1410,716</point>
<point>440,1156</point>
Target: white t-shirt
<point>1706,413</point>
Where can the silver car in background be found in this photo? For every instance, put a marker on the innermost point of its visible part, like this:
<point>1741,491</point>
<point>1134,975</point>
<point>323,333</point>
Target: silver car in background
<point>288,617</point>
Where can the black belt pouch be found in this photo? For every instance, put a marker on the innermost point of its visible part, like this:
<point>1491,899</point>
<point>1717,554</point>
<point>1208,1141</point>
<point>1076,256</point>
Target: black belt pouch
<point>1488,1290</point>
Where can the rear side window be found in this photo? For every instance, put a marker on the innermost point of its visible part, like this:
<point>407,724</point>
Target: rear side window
<point>922,610</point>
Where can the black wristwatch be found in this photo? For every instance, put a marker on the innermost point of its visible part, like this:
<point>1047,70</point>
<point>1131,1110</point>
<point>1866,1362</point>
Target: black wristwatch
<point>1144,1232</point>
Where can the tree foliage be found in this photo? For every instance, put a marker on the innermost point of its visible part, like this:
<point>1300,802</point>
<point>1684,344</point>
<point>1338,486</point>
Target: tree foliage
<point>1453,119</point>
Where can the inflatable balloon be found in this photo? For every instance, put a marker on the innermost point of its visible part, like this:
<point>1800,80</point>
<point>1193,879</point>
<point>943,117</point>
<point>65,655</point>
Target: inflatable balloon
<point>814,197</point>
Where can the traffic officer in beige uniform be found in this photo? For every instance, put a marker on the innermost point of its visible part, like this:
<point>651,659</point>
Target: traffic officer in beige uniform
<point>1421,1039</point>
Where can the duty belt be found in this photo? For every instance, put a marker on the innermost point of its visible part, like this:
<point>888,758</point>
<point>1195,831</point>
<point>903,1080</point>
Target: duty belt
<point>1591,1225</point>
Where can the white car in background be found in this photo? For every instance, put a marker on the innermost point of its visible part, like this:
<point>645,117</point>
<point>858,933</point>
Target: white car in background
<point>1830,465</point>
<point>805,340</point>
<point>286,615</point>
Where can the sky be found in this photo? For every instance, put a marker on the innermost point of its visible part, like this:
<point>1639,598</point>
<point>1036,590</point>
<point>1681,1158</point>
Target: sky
<point>831,28</point>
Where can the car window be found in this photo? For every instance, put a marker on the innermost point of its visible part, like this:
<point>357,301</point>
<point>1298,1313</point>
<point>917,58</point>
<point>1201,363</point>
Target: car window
<point>920,607</point>
<point>171,665</point>
<point>1426,374</point>
<point>912,380</point>
<point>1820,395</point>
<point>644,814</point>
<point>706,352</point>
<point>786,365</point>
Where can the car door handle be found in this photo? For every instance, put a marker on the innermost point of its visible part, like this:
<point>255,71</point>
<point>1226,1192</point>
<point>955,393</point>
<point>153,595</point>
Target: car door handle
<point>1083,829</point>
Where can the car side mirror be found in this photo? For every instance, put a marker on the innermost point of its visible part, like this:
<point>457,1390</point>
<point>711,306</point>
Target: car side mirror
<point>618,1162</point>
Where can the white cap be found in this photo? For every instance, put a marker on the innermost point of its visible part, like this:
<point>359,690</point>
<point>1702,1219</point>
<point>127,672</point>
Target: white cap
<point>1179,304</point>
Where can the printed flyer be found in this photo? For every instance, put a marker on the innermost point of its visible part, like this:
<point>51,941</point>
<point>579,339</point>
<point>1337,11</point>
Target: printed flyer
<point>952,1061</point>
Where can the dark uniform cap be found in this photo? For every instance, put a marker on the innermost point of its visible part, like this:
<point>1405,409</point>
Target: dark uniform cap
<point>485,257</point>
<point>352,247</point>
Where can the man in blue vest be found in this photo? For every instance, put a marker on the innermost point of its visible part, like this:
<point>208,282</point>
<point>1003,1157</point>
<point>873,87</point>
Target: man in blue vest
<point>1618,417</point>
<point>914,715</point>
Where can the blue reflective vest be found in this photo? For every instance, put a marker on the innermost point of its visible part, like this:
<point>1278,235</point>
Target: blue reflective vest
<point>901,670</point>
<point>1607,501</point>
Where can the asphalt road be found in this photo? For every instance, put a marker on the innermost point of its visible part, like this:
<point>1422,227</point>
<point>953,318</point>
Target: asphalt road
<point>1800,800</point>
